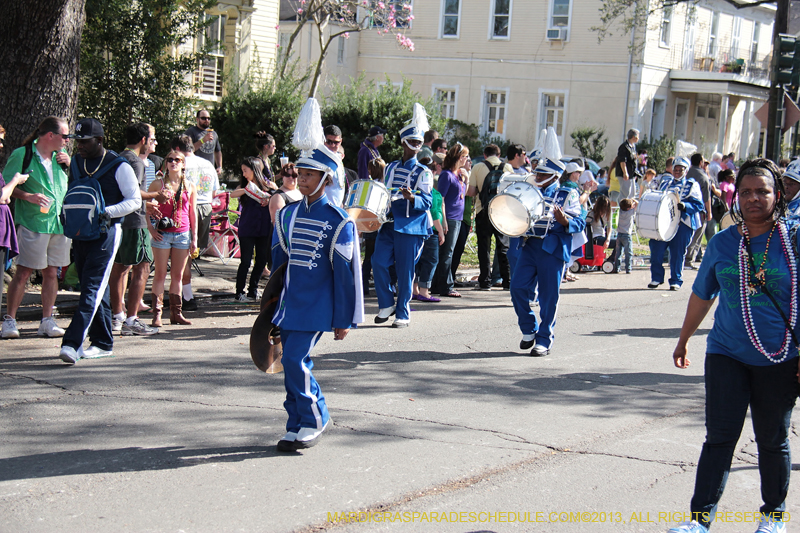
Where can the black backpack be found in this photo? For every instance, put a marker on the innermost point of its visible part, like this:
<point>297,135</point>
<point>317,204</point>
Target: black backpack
<point>490,182</point>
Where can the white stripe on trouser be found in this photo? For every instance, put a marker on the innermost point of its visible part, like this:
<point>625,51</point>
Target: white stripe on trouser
<point>307,373</point>
<point>103,283</point>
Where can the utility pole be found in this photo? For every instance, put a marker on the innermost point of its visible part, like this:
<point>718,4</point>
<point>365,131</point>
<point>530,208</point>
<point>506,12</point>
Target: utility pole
<point>775,121</point>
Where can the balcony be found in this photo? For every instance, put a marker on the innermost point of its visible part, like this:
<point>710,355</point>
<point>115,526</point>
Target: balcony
<point>744,66</point>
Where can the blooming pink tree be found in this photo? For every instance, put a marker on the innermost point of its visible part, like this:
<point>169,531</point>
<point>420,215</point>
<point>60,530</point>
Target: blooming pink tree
<point>335,18</point>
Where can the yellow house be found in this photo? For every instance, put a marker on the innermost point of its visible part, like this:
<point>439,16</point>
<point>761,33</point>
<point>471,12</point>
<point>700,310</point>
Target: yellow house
<point>697,72</point>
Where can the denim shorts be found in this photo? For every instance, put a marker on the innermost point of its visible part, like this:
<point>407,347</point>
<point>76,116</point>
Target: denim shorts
<point>169,239</point>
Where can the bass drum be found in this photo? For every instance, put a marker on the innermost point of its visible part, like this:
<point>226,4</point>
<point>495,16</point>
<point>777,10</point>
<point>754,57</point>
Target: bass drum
<point>657,216</point>
<point>514,210</point>
<point>368,204</point>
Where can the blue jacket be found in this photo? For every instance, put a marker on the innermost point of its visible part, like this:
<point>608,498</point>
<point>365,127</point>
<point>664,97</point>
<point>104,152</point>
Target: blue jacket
<point>411,217</point>
<point>558,238</point>
<point>319,242</point>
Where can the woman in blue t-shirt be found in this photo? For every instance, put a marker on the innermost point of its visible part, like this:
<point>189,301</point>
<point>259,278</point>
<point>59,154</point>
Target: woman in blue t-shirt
<point>751,355</point>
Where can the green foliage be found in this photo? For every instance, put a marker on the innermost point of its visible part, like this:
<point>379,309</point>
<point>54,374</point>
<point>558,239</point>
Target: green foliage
<point>272,106</point>
<point>470,136</point>
<point>129,71</point>
<point>590,142</point>
<point>658,151</point>
<point>360,104</point>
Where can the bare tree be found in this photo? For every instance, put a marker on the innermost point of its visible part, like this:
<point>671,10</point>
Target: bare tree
<point>39,50</point>
<point>344,17</point>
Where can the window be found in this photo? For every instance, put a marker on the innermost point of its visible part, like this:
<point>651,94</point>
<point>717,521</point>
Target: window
<point>208,75</point>
<point>340,50</point>
<point>553,112</point>
<point>559,16</point>
<point>501,19</point>
<point>495,113</point>
<point>451,14</point>
<point>754,46</point>
<point>713,39</point>
<point>666,25</point>
<point>402,9</point>
<point>736,37</point>
<point>446,99</point>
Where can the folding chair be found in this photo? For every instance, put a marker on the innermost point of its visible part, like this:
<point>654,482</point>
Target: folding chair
<point>223,237</point>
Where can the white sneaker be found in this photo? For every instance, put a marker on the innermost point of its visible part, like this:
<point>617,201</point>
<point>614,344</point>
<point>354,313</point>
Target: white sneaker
<point>539,351</point>
<point>69,355</point>
<point>308,437</point>
<point>49,328</point>
<point>94,352</point>
<point>9,330</point>
<point>400,323</point>
<point>674,287</point>
<point>116,325</point>
<point>768,526</point>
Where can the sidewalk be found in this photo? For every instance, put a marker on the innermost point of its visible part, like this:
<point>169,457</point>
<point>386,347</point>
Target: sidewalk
<point>218,281</point>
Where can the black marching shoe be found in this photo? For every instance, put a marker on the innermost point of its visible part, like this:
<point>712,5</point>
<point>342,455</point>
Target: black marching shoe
<point>526,345</point>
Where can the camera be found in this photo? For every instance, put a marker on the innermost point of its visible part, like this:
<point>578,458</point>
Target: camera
<point>165,223</point>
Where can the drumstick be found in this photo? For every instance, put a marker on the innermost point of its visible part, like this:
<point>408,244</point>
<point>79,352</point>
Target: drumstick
<point>397,189</point>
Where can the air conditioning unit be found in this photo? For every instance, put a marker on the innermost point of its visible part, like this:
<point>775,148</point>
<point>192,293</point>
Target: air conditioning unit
<point>557,34</point>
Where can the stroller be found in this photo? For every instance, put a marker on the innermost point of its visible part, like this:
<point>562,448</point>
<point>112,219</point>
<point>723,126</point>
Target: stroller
<point>594,258</point>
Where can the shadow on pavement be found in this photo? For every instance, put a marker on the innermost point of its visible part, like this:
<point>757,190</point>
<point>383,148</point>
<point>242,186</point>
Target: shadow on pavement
<point>76,462</point>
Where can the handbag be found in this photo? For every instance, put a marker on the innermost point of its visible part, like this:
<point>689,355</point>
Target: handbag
<point>718,208</point>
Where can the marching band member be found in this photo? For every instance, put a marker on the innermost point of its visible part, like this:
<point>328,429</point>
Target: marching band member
<point>322,288</point>
<point>541,257</point>
<point>400,241</point>
<point>791,183</point>
<point>690,205</point>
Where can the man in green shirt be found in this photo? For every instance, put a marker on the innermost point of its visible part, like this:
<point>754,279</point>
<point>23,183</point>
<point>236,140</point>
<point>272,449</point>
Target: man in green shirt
<point>42,245</point>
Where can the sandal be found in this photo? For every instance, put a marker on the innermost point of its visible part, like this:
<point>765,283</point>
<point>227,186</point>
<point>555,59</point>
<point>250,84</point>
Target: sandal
<point>422,298</point>
<point>453,294</point>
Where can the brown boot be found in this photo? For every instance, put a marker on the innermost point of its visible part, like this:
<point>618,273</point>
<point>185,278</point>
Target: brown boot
<point>175,308</point>
<point>157,303</point>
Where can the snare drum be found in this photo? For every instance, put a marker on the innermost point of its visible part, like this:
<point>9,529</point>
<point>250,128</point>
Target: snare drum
<point>514,210</point>
<point>658,216</point>
<point>367,204</point>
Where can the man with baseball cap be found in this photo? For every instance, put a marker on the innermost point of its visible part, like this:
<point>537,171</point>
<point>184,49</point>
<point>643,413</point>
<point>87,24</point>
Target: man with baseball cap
<point>691,205</point>
<point>94,258</point>
<point>369,150</point>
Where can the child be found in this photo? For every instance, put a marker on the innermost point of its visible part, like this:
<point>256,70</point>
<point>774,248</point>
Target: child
<point>321,289</point>
<point>624,229</point>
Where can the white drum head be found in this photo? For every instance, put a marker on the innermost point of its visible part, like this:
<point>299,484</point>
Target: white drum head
<point>726,221</point>
<point>657,216</point>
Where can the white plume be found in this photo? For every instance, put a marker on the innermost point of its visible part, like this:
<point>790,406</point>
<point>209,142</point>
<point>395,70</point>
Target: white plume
<point>308,132</point>
<point>420,118</point>
<point>552,150</point>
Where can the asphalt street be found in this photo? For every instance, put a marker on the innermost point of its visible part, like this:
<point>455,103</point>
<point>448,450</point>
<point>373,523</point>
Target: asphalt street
<point>442,427</point>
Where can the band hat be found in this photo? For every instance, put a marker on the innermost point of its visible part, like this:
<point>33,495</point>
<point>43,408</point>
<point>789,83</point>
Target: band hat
<point>550,166</point>
<point>538,151</point>
<point>574,167</point>
<point>320,159</point>
<point>793,171</point>
<point>418,125</point>
<point>88,128</point>
<point>680,161</point>
<point>374,131</point>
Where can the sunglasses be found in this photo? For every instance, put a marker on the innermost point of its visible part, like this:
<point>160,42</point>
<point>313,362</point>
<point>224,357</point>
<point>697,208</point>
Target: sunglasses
<point>330,141</point>
<point>174,160</point>
<point>205,118</point>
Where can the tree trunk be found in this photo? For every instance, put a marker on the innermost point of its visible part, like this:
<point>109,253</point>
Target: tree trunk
<point>40,53</point>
